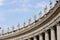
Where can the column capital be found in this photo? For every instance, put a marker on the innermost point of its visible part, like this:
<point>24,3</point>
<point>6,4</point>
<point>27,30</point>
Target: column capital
<point>34,36</point>
<point>40,33</point>
<point>58,23</point>
<point>52,28</point>
<point>46,31</point>
<point>29,39</point>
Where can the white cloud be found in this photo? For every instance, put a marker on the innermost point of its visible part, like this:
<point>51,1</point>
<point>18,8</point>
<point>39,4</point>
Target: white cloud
<point>1,2</point>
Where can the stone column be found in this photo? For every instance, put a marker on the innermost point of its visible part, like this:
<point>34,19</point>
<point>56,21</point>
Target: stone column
<point>29,39</point>
<point>40,37</point>
<point>46,35</point>
<point>35,38</point>
<point>58,31</point>
<point>52,34</point>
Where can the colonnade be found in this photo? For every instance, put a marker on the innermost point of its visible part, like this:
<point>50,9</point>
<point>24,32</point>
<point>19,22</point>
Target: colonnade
<point>51,34</point>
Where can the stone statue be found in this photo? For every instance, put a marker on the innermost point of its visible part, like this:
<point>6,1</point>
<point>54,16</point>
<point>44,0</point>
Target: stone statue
<point>18,25</point>
<point>2,31</point>
<point>40,14</point>
<point>45,10</point>
<point>35,17</point>
<point>24,24</point>
<point>13,28</point>
<point>8,30</point>
<point>29,21</point>
<point>51,4</point>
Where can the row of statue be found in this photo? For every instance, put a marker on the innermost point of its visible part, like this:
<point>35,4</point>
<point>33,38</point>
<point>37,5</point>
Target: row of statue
<point>29,21</point>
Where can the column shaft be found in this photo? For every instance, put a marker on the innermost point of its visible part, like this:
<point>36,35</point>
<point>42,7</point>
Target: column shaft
<point>29,39</point>
<point>46,36</point>
<point>58,32</point>
<point>40,37</point>
<point>52,34</point>
<point>35,38</point>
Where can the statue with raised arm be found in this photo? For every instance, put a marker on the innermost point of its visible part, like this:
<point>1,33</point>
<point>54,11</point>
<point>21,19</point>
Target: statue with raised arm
<point>29,21</point>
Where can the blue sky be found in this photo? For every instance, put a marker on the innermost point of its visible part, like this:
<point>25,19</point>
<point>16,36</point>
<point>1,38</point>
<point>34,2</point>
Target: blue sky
<point>14,11</point>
